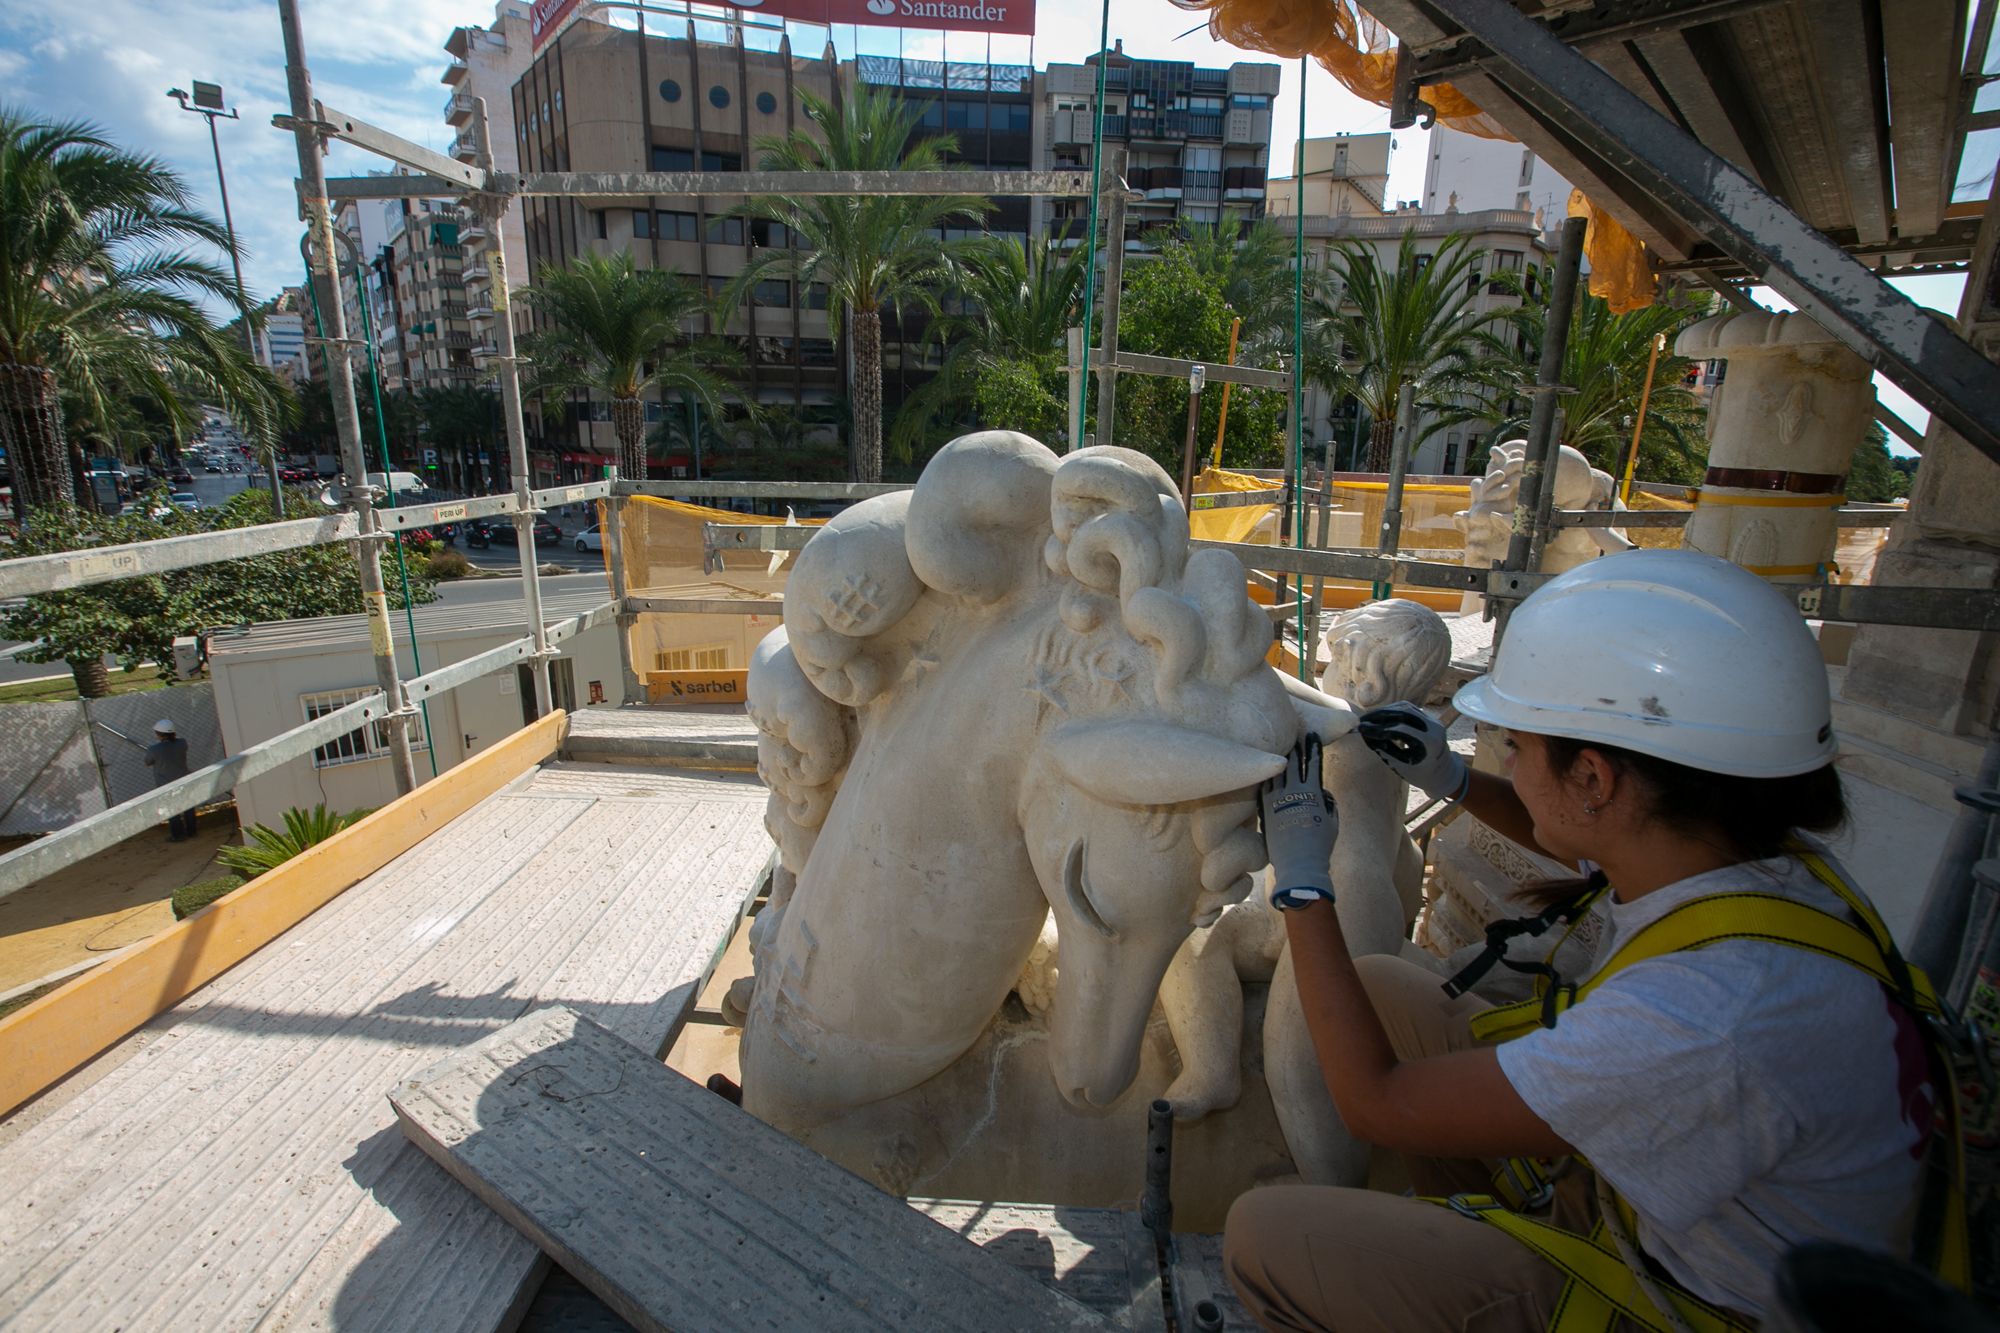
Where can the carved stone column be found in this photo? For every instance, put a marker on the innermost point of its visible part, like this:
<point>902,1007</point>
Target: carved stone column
<point>1782,428</point>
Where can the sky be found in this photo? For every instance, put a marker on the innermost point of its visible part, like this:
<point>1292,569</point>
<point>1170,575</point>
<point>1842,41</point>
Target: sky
<point>111,62</point>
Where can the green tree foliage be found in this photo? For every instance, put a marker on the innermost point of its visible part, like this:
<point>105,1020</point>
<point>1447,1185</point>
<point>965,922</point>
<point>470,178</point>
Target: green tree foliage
<point>620,330</point>
<point>1252,267</point>
<point>1606,366</point>
<point>1005,356</point>
<point>461,420</point>
<point>136,620</point>
<point>1874,477</point>
<point>1374,328</point>
<point>1171,307</point>
<point>870,251</point>
<point>100,287</point>
<point>265,848</point>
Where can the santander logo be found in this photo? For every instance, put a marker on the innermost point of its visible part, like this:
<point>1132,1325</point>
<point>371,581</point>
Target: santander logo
<point>883,7</point>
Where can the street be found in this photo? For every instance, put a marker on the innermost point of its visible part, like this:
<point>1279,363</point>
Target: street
<point>469,592</point>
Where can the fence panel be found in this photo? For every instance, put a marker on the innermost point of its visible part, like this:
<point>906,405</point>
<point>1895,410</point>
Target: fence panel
<point>192,708</point>
<point>48,771</point>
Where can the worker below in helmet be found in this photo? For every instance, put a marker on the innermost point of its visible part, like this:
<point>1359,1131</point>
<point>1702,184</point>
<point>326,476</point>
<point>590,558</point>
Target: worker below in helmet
<point>167,756</point>
<point>1713,1101</point>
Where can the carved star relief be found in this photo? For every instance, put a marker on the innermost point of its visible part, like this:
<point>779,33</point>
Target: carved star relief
<point>1111,670</point>
<point>1047,684</point>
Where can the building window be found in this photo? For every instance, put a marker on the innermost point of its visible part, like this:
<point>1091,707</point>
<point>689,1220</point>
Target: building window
<point>815,297</point>
<point>598,213</point>
<point>714,657</point>
<point>725,231</point>
<point>1527,166</point>
<point>718,97</point>
<point>558,99</point>
<point>669,91</point>
<point>767,103</point>
<point>772,235</point>
<point>772,292</point>
<point>642,224</point>
<point>368,741</point>
<point>1250,102</point>
<point>675,226</point>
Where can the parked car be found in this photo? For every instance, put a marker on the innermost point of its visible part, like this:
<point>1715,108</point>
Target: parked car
<point>210,465</point>
<point>180,476</point>
<point>185,500</point>
<point>487,531</point>
<point>590,539</point>
<point>234,466</point>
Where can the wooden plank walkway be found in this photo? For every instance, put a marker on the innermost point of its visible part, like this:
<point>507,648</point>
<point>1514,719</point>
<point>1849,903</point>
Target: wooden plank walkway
<point>721,736</point>
<point>682,1212</point>
<point>236,1163</point>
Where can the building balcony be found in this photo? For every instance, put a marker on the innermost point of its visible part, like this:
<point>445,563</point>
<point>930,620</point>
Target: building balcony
<point>472,232</point>
<point>480,313</point>
<point>457,110</point>
<point>454,73</point>
<point>475,274</point>
<point>464,149</point>
<point>462,341</point>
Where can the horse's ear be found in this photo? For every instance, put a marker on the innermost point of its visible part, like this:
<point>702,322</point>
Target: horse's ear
<point>1154,763</point>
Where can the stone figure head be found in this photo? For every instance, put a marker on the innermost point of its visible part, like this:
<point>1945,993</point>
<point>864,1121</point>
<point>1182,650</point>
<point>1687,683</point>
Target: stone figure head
<point>1159,718</point>
<point>1385,651</point>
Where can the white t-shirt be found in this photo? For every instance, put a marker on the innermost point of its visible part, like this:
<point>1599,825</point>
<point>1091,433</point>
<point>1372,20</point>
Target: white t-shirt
<point>1742,1098</point>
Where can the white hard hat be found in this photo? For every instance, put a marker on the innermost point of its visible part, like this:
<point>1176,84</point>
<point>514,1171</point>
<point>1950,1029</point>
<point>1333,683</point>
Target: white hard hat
<point>1672,654</point>
<point>164,726</point>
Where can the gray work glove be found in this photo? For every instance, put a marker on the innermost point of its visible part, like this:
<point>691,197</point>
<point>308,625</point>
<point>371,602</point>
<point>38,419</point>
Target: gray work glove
<point>1300,825</point>
<point>1412,742</point>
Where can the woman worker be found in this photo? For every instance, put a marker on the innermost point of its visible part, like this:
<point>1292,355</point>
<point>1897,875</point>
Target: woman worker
<point>1707,1099</point>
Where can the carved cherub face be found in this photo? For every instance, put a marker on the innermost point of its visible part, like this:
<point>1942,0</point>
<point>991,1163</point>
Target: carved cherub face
<point>1385,651</point>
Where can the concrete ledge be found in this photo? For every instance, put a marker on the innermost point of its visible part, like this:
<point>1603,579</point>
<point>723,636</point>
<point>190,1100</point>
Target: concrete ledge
<point>714,739</point>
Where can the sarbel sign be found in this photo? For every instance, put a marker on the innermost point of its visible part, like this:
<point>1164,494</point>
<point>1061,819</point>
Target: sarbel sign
<point>1002,16</point>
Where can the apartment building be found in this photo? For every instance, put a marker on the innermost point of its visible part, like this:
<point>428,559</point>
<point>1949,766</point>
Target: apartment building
<point>424,276</point>
<point>1343,174</point>
<point>1198,139</point>
<point>1468,174</point>
<point>486,63</point>
<point>282,343</point>
<point>1507,240</point>
<point>598,97</point>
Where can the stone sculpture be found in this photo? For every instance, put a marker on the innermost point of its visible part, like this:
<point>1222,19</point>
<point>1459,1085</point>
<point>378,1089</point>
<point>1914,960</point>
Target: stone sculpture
<point>1377,654</point>
<point>1488,521</point>
<point>1011,695</point>
<point>1782,429</point>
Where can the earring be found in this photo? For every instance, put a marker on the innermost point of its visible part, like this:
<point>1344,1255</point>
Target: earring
<point>1590,809</point>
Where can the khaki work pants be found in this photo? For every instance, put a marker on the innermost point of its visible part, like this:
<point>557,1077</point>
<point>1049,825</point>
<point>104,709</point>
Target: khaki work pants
<point>1361,1261</point>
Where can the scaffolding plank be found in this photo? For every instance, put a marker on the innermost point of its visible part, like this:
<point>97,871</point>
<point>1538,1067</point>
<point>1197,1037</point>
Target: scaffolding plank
<point>1922,43</point>
<point>243,1165</point>
<point>1102,1258</point>
<point>681,1211</point>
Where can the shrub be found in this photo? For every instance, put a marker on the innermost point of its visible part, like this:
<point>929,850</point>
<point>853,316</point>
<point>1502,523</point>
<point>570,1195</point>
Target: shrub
<point>193,897</point>
<point>265,847</point>
<point>449,564</point>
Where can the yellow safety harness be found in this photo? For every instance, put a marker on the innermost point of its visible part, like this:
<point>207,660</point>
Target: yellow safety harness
<point>1603,1286</point>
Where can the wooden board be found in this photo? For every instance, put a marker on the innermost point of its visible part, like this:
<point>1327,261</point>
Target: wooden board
<point>681,1211</point>
<point>43,1041</point>
<point>243,1167</point>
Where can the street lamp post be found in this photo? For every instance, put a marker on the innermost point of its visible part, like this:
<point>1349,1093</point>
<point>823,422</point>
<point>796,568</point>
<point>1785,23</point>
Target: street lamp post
<point>207,101</point>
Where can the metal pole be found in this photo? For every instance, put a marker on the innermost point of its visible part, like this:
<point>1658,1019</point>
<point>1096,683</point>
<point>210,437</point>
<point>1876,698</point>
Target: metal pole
<point>340,382</point>
<point>1078,378</point>
<point>1114,280</point>
<point>229,225</point>
<point>1390,539</point>
<point>1542,415</point>
<point>1538,537</point>
<point>1195,378</point>
<point>614,561</point>
<point>1948,898</point>
<point>1222,417</point>
<point>1156,1205</point>
<point>510,405</point>
<point>1639,426</point>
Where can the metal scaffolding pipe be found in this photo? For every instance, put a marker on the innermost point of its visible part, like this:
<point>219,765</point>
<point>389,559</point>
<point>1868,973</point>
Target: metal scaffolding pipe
<point>490,210</point>
<point>340,382</point>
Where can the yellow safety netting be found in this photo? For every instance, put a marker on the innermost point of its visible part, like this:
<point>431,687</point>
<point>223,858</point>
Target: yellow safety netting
<point>665,558</point>
<point>1360,52</point>
<point>1657,538</point>
<point>1238,523</point>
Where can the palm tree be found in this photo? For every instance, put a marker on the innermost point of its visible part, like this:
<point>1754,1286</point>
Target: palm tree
<point>1377,328</point>
<point>1014,303</point>
<point>618,329</point>
<point>1605,366</point>
<point>99,299</point>
<point>870,251</point>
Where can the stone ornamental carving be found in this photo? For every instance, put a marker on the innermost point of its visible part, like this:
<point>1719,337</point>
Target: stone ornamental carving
<point>1488,521</point>
<point>1011,697</point>
<point>1782,429</point>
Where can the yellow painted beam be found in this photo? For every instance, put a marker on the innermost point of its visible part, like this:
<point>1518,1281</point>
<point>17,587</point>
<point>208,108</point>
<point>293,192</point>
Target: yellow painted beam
<point>43,1042</point>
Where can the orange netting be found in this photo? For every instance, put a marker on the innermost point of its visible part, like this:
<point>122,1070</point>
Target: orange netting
<point>1360,52</point>
<point>1347,42</point>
